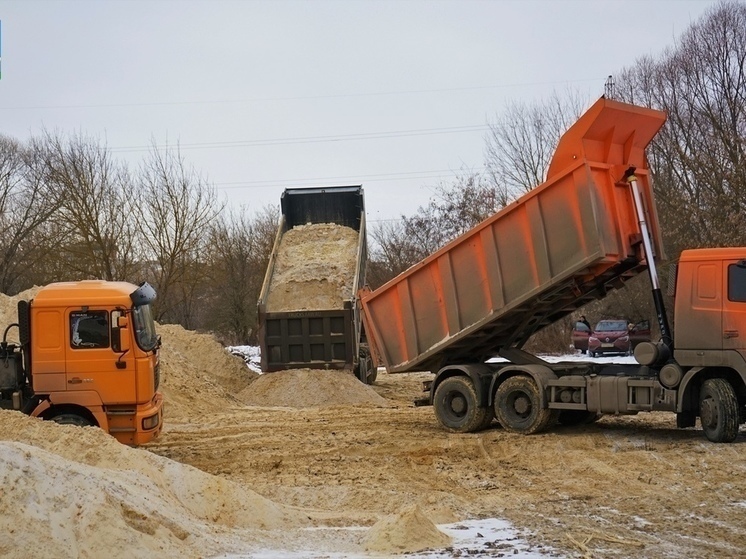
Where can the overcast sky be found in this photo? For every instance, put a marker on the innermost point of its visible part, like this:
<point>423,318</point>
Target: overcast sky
<point>267,95</point>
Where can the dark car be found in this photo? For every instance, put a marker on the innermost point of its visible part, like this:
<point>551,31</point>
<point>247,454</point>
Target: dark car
<point>580,334</point>
<point>617,336</point>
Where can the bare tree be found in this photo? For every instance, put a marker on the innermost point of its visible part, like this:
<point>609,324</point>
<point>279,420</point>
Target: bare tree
<point>178,207</point>
<point>96,215</point>
<point>522,140</point>
<point>454,209</point>
<point>392,252</point>
<point>26,205</point>
<point>699,158</point>
<point>240,246</point>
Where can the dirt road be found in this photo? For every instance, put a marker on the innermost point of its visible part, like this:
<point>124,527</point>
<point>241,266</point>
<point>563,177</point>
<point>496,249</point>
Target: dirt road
<point>636,486</point>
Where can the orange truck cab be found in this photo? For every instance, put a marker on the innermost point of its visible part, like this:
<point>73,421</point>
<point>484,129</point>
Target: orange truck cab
<point>88,355</point>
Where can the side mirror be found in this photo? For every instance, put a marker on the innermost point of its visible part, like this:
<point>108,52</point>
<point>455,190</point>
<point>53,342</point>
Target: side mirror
<point>120,335</point>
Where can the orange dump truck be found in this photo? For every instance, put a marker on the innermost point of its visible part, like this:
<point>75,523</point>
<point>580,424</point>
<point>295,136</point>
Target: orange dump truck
<point>87,355</point>
<point>588,229</point>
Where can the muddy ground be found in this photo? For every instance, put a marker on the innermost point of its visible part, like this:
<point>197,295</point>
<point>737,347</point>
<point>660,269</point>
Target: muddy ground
<point>624,487</point>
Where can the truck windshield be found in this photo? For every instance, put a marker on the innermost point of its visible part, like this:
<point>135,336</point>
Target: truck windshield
<point>611,326</point>
<point>145,334</point>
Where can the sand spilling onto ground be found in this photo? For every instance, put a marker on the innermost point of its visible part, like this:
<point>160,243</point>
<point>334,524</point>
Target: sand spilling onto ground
<point>307,388</point>
<point>198,375</point>
<point>9,310</point>
<point>406,531</point>
<point>314,268</point>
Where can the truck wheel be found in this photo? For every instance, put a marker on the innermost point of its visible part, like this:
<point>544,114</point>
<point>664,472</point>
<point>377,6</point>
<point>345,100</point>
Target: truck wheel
<point>518,407</point>
<point>718,410</point>
<point>456,406</point>
<point>488,418</point>
<point>72,419</point>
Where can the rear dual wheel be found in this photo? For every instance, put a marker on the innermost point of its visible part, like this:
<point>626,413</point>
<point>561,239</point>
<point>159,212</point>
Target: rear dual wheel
<point>518,406</point>
<point>457,407</point>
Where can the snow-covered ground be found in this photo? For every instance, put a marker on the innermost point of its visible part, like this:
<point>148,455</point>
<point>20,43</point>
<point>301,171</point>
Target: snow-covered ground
<point>250,353</point>
<point>252,356</point>
<point>488,537</point>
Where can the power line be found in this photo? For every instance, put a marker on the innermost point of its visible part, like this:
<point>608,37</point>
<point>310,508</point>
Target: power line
<point>312,139</point>
<point>297,97</point>
<point>382,177</point>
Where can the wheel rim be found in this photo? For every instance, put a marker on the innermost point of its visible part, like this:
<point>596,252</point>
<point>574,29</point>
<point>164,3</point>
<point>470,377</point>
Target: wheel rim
<point>520,404</point>
<point>456,404</point>
<point>708,413</point>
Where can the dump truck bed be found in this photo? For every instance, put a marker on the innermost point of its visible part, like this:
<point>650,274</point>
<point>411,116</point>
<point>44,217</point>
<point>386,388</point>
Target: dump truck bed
<point>304,321</point>
<point>556,248</point>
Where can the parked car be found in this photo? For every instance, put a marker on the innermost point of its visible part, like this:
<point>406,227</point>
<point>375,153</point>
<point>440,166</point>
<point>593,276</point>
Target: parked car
<point>617,336</point>
<point>580,334</point>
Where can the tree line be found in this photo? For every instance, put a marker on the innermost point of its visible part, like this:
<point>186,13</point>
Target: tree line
<point>69,210</point>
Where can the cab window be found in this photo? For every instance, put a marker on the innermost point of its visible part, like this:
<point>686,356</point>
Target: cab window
<point>737,282</point>
<point>89,329</point>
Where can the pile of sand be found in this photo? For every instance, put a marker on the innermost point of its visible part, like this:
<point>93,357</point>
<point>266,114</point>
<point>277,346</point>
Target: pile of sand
<point>198,375</point>
<point>9,310</point>
<point>314,268</point>
<point>407,531</point>
<point>308,388</point>
<point>76,492</point>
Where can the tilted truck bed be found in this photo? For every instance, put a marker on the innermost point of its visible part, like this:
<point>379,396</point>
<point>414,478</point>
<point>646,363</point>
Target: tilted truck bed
<point>556,248</point>
<point>315,337</point>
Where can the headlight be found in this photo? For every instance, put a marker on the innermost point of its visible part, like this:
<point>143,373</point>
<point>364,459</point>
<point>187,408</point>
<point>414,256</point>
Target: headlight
<point>150,422</point>
<point>592,339</point>
<point>624,338</point>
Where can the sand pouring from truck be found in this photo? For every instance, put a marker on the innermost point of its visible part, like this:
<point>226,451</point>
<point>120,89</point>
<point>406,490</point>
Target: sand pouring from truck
<point>308,309</point>
<point>586,230</point>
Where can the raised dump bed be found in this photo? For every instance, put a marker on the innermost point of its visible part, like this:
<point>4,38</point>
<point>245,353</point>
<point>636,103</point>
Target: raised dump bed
<point>308,316</point>
<point>559,246</point>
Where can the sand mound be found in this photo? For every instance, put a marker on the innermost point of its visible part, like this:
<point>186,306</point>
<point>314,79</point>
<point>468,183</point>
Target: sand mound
<point>9,310</point>
<point>198,375</point>
<point>74,492</point>
<point>407,531</point>
<point>308,388</point>
<point>314,268</point>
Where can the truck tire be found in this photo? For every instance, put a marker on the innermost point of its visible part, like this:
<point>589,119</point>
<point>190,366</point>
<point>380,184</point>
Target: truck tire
<point>72,419</point>
<point>488,419</point>
<point>456,406</point>
<point>718,410</point>
<point>518,406</point>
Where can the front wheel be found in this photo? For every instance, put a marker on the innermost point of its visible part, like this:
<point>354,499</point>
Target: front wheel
<point>457,408</point>
<point>518,406</point>
<point>718,410</point>
<point>72,419</point>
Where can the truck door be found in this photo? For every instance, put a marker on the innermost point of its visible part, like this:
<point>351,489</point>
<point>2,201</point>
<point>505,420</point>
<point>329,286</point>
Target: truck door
<point>91,361</point>
<point>734,305</point>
